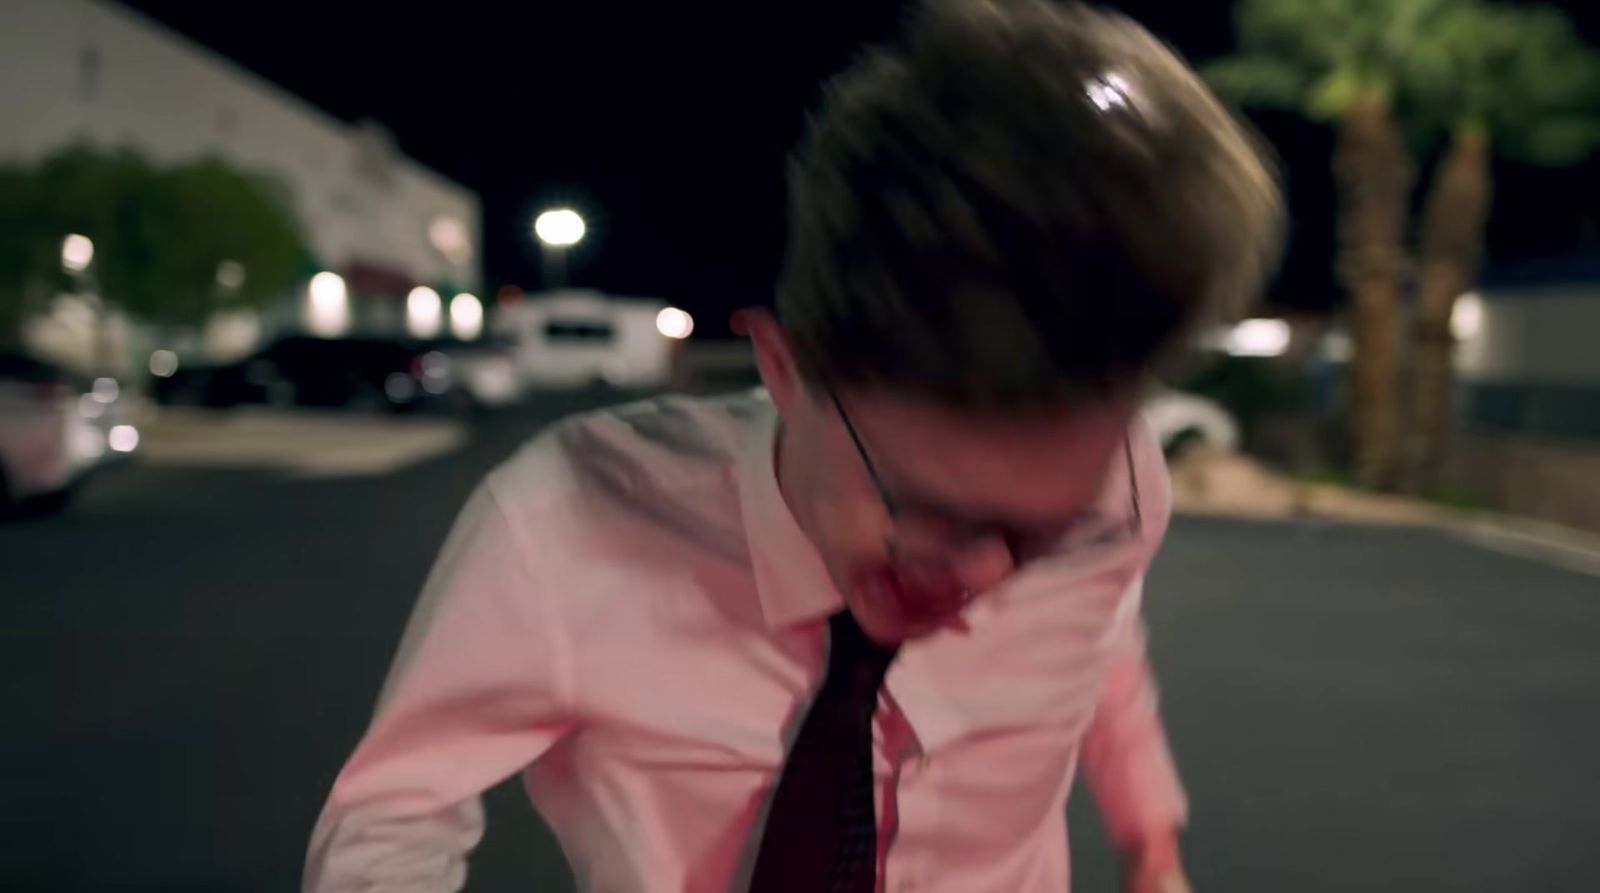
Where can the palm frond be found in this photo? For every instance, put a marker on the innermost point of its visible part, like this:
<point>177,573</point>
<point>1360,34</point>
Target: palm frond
<point>1556,142</point>
<point>1259,80</point>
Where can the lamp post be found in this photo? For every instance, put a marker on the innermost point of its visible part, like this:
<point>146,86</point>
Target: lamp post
<point>558,229</point>
<point>77,259</point>
<point>676,326</point>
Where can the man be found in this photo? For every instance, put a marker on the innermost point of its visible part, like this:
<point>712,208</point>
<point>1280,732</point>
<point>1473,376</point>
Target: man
<point>859,635</point>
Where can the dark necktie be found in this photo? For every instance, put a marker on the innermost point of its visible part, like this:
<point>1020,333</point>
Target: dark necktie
<point>821,833</point>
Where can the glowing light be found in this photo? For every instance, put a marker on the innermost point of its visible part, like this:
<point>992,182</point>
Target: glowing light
<point>559,228</point>
<point>435,372</point>
<point>124,438</point>
<point>77,252</point>
<point>1259,338</point>
<point>449,237</point>
<point>163,364</point>
<point>424,312</point>
<point>230,275</point>
<point>674,323</point>
<point>328,313</point>
<point>466,316</point>
<point>89,442</point>
<point>105,390</point>
<point>1337,347</point>
<point>1466,318</point>
<point>400,387</point>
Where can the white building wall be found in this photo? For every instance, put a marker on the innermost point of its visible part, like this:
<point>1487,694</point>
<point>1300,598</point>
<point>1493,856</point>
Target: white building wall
<point>1548,335</point>
<point>75,70</point>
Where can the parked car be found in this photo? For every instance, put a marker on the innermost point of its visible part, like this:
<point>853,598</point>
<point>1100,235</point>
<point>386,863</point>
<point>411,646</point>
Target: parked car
<point>302,371</point>
<point>578,338</point>
<point>475,375</point>
<point>55,427</point>
<point>359,372</point>
<point>1182,421</point>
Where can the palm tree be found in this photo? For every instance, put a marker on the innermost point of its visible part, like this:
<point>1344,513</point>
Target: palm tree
<point>1514,81</point>
<point>1345,62</point>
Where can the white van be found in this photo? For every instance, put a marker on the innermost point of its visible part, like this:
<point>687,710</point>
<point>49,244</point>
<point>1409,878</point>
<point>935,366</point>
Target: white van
<point>577,338</point>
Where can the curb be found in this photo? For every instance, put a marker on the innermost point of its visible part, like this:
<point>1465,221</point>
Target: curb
<point>1564,547</point>
<point>1282,499</point>
<point>302,444</point>
<point>1574,550</point>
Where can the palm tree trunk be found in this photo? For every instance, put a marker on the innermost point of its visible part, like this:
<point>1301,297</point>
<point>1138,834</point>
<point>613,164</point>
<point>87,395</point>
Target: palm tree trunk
<point>1453,222</point>
<point>1373,172</point>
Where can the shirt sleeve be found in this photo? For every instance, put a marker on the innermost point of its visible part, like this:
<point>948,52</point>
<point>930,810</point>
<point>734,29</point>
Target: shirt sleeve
<point>480,688</point>
<point>1125,756</point>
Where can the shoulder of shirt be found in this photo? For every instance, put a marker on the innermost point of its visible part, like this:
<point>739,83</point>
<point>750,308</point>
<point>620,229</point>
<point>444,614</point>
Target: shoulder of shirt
<point>1153,478</point>
<point>669,451</point>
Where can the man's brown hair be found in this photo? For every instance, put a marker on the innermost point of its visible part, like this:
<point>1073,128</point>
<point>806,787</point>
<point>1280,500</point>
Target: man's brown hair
<point>1023,202</point>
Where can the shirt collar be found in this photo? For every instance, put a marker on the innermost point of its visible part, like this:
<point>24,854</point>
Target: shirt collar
<point>794,587</point>
<point>791,581</point>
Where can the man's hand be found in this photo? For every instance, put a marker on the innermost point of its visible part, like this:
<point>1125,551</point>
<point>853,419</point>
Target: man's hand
<point>1170,881</point>
<point>1154,867</point>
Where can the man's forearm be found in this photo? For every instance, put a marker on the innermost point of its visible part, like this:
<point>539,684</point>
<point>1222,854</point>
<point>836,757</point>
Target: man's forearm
<point>1152,854</point>
<point>1152,864</point>
<point>478,691</point>
<point>1125,757</point>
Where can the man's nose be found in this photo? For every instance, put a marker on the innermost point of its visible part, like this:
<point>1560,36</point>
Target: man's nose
<point>983,564</point>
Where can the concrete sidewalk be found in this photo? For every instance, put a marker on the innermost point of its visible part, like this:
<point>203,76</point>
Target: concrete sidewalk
<point>302,443</point>
<point>1215,483</point>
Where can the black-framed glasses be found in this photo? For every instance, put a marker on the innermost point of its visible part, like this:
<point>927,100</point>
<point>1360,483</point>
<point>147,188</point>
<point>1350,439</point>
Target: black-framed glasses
<point>929,539</point>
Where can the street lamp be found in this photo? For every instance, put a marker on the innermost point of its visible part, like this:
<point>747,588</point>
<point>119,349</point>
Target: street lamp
<point>424,312</point>
<point>230,276</point>
<point>1466,318</point>
<point>466,316</point>
<point>77,252</point>
<point>558,229</point>
<point>328,305</point>
<point>77,255</point>
<point>1260,338</point>
<point>674,323</point>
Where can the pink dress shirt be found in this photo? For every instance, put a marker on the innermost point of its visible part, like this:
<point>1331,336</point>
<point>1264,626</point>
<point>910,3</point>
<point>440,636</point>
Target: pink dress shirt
<point>627,614</point>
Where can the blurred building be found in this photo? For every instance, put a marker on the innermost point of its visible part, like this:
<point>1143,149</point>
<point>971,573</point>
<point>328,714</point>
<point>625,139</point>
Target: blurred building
<point>75,71</point>
<point>1529,374</point>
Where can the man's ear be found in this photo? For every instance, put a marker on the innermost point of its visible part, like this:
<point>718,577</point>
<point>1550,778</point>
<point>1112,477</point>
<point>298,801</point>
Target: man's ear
<point>775,357</point>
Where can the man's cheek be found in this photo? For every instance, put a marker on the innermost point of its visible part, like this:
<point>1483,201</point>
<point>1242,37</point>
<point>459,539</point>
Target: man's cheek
<point>985,565</point>
<point>921,594</point>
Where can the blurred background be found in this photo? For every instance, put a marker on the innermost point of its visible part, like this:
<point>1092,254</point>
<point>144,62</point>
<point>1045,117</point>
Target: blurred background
<point>280,282</point>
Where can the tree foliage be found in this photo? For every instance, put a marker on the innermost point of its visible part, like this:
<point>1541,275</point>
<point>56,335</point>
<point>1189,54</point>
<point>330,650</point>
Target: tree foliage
<point>1520,74</point>
<point>1473,76</point>
<point>1320,57</point>
<point>161,235</point>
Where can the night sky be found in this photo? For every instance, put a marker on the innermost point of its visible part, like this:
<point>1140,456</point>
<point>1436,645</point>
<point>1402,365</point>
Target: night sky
<point>667,125</point>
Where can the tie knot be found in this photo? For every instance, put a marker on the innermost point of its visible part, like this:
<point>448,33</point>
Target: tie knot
<point>854,660</point>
